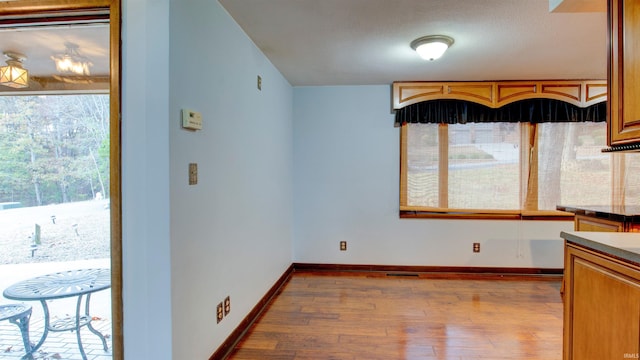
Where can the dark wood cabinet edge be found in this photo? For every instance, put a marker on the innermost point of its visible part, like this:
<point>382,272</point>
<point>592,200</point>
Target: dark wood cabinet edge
<point>622,148</point>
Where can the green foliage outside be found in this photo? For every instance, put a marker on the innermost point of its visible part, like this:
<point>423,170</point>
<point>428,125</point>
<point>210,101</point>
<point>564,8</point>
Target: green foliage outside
<point>53,149</point>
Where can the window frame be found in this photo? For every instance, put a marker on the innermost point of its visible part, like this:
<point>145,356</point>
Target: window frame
<point>528,187</point>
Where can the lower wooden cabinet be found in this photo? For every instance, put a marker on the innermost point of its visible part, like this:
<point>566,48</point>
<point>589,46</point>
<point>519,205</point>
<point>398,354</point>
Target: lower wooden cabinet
<point>602,306</point>
<point>589,223</point>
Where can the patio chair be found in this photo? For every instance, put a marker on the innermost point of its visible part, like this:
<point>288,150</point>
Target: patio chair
<point>18,314</point>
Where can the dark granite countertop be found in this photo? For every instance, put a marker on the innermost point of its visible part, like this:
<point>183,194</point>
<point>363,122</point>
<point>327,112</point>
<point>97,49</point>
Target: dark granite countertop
<point>621,245</point>
<point>610,212</point>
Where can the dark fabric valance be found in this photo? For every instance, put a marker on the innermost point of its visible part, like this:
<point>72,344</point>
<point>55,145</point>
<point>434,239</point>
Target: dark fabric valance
<point>532,110</point>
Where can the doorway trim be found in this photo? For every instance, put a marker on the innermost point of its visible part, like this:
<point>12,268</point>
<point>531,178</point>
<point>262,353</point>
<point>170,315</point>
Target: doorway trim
<point>26,9</point>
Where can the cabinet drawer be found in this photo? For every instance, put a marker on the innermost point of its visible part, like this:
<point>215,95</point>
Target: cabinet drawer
<point>587,223</point>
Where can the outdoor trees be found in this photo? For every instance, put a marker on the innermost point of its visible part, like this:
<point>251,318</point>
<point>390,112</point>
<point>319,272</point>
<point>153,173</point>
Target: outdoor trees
<point>53,148</point>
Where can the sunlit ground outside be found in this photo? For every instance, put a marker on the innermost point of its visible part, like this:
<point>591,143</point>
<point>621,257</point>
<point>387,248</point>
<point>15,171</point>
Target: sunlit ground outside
<point>80,231</point>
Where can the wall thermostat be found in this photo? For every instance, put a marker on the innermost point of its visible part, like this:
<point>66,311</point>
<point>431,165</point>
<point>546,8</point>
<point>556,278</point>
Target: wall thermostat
<point>191,119</point>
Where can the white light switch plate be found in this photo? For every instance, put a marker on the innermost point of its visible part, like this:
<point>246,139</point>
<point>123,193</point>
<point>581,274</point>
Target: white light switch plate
<point>191,119</point>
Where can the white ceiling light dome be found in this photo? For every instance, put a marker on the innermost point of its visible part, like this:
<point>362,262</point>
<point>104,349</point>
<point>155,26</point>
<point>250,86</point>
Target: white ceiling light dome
<point>431,47</point>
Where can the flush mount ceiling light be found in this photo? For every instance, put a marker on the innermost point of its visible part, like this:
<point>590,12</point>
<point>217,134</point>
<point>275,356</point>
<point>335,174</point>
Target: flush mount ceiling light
<point>13,74</point>
<point>431,47</point>
<point>71,62</point>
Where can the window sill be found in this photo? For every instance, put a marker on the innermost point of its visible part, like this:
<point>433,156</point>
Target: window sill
<point>426,213</point>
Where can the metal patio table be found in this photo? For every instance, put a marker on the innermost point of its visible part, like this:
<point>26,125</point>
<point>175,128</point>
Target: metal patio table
<point>80,283</point>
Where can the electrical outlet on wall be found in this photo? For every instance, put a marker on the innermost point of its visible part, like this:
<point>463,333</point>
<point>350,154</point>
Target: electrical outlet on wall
<point>193,173</point>
<point>219,313</point>
<point>227,305</point>
<point>476,247</point>
<point>343,246</point>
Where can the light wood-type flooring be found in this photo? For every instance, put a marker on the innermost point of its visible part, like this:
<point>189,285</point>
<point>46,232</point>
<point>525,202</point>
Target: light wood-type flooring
<point>381,316</point>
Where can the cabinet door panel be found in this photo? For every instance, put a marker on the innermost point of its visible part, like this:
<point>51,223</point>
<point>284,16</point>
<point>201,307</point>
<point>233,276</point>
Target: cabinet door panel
<point>606,312</point>
<point>602,306</point>
<point>624,70</point>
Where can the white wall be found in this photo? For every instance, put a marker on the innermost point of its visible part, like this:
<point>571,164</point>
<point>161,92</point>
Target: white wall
<point>145,180</point>
<point>187,247</point>
<point>346,181</point>
<point>231,234</point>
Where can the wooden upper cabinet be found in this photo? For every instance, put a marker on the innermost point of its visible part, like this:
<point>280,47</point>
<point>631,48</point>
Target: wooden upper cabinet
<point>495,94</point>
<point>624,72</point>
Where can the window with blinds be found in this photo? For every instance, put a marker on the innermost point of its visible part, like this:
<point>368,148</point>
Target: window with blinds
<point>511,170</point>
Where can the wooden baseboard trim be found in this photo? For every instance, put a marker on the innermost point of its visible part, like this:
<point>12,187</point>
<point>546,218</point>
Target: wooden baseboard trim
<point>402,269</point>
<point>228,345</point>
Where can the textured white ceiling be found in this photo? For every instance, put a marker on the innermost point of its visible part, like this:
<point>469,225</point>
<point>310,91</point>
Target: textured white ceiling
<point>362,42</point>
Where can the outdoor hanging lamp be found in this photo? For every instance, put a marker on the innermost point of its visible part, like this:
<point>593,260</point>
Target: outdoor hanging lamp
<point>13,74</point>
